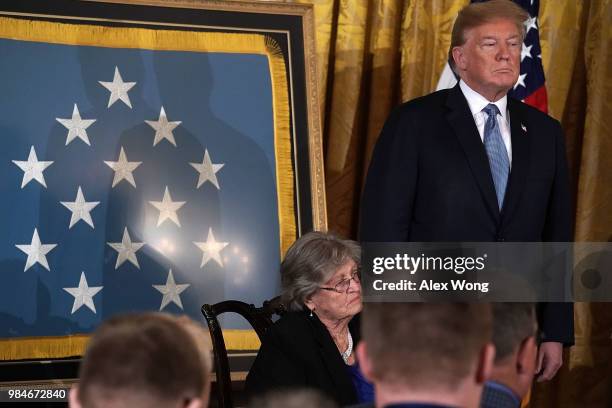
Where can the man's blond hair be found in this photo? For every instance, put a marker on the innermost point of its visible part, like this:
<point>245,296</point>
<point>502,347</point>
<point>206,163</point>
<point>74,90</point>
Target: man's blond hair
<point>204,345</point>
<point>145,359</point>
<point>477,14</point>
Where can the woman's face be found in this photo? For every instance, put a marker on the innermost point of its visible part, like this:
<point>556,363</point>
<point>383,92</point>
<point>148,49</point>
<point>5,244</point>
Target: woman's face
<point>340,296</point>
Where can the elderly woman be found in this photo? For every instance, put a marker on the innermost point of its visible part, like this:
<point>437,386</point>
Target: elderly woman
<point>311,345</point>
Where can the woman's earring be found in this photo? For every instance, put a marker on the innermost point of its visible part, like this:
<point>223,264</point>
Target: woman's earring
<point>310,312</point>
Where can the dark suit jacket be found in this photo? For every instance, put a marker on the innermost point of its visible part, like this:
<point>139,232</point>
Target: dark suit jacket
<point>416,405</point>
<point>298,351</point>
<point>498,397</point>
<point>430,180</point>
<point>402,405</point>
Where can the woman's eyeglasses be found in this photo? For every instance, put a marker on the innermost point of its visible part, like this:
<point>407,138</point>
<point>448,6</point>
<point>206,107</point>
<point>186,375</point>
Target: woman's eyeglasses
<point>344,285</point>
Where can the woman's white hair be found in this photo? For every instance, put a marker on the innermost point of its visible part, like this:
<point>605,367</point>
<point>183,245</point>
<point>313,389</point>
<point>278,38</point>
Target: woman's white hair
<point>310,262</point>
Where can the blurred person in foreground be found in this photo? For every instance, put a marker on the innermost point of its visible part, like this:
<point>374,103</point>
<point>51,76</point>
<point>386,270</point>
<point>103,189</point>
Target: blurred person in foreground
<point>474,165</point>
<point>297,398</point>
<point>514,337</point>
<point>426,354</point>
<point>311,345</point>
<point>144,360</point>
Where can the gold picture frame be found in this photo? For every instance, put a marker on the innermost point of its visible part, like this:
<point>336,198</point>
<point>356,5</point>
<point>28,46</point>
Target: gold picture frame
<point>289,39</point>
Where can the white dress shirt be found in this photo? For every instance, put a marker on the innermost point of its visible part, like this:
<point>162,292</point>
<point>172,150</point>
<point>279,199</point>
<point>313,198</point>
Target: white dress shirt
<point>477,103</point>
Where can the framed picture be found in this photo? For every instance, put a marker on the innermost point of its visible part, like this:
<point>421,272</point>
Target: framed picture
<point>157,155</point>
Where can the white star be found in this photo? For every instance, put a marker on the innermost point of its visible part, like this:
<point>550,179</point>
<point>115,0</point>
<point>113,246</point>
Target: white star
<point>83,294</point>
<point>118,89</point>
<point>80,209</point>
<point>171,291</point>
<point>36,252</point>
<point>123,169</point>
<point>167,208</point>
<point>76,126</point>
<point>520,81</point>
<point>33,169</point>
<point>531,22</point>
<point>163,128</point>
<point>126,249</point>
<point>526,52</point>
<point>211,249</point>
<point>207,170</point>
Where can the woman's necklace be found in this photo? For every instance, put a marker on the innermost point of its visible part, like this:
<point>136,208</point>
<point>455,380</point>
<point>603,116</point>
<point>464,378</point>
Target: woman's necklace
<point>349,349</point>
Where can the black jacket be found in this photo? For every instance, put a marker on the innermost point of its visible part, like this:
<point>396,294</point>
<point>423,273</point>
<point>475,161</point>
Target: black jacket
<point>430,180</point>
<point>298,351</point>
<point>494,397</point>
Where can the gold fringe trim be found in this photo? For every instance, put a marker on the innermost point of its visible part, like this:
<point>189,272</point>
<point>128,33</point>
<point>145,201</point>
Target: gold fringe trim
<point>282,146</point>
<point>136,38</point>
<point>241,340</point>
<point>175,40</point>
<point>75,345</point>
<point>43,347</point>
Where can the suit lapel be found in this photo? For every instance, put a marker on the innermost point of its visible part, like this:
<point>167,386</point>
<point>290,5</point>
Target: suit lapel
<point>332,360</point>
<point>520,160</point>
<point>461,120</point>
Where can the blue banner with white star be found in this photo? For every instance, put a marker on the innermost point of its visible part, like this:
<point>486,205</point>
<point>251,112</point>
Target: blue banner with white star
<point>133,179</point>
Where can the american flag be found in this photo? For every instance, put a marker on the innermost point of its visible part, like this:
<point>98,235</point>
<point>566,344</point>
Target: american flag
<point>132,180</point>
<point>530,86</point>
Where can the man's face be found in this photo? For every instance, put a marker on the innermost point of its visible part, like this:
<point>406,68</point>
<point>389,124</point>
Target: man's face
<point>489,61</point>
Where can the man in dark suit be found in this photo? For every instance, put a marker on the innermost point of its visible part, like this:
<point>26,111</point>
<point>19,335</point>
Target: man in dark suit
<point>514,337</point>
<point>426,354</point>
<point>471,164</point>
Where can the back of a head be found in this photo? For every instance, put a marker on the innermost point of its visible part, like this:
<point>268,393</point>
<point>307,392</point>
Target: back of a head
<point>204,346</point>
<point>425,346</point>
<point>512,324</point>
<point>296,398</point>
<point>141,360</point>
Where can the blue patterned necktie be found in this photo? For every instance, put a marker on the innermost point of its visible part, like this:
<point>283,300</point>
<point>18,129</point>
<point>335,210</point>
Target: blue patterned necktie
<point>496,150</point>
